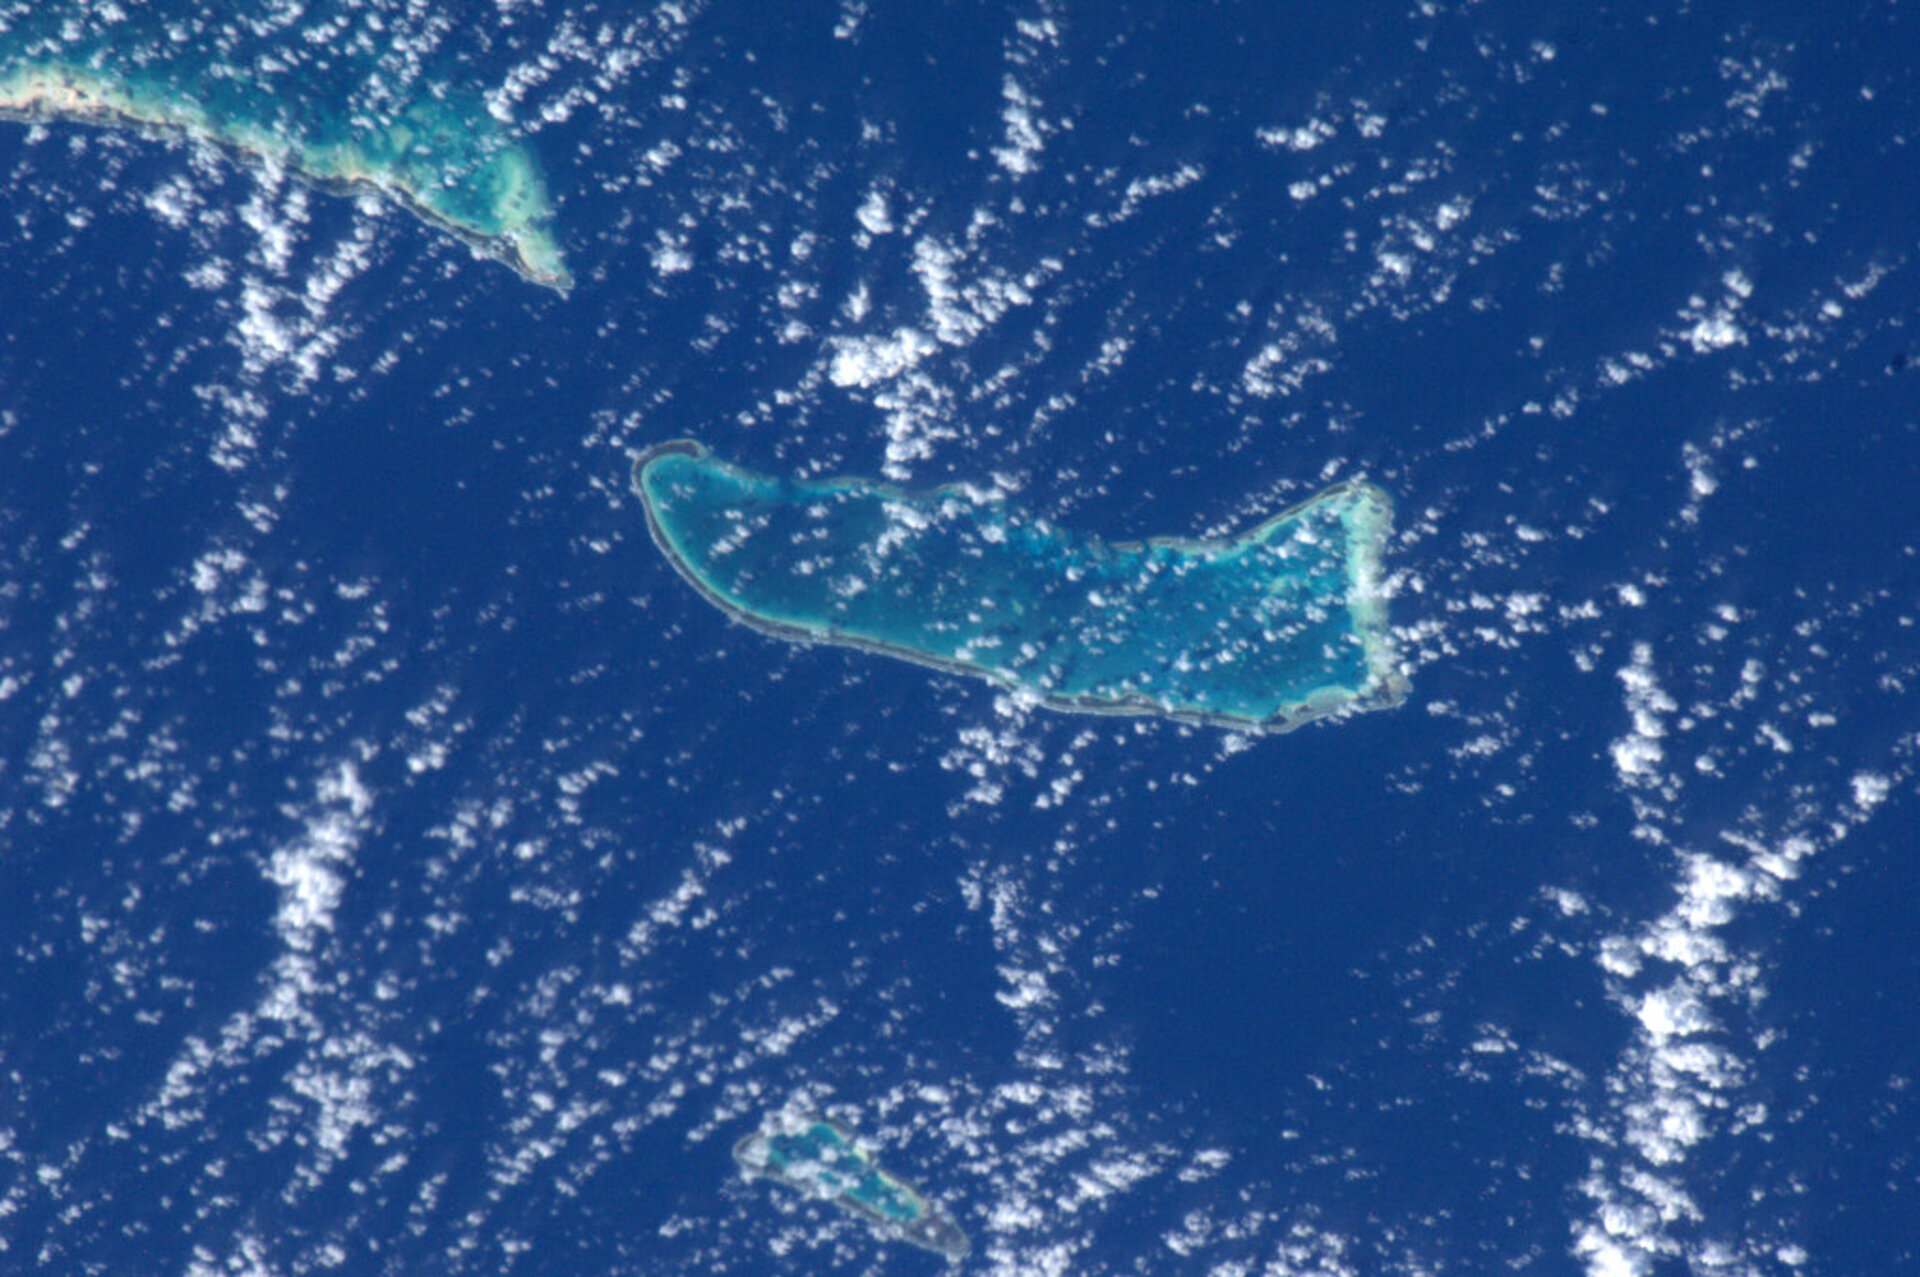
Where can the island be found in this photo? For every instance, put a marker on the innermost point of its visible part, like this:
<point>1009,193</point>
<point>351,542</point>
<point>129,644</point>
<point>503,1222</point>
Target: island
<point>434,150</point>
<point>820,1159</point>
<point>1278,626</point>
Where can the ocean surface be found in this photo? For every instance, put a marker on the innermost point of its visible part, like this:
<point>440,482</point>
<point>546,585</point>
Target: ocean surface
<point>403,870</point>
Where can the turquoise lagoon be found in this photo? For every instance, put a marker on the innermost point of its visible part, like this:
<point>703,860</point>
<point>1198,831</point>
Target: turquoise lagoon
<point>1275,627</point>
<point>820,1159</point>
<point>342,100</point>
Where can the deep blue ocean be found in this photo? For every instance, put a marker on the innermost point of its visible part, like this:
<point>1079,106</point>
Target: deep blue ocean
<point>402,870</point>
